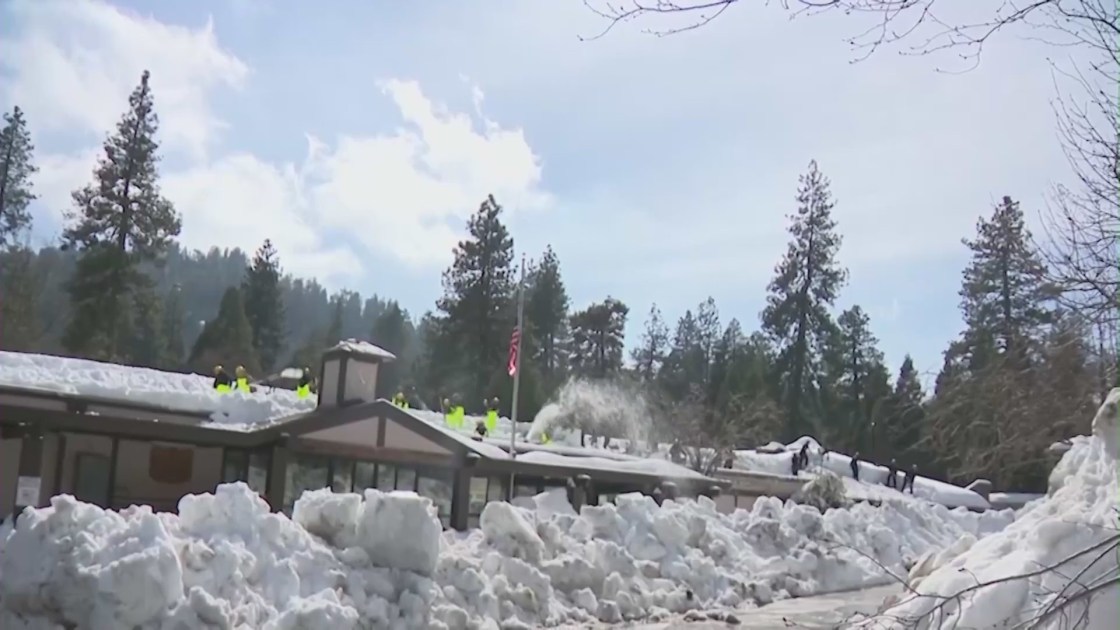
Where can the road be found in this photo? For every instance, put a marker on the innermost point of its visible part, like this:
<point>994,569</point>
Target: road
<point>809,613</point>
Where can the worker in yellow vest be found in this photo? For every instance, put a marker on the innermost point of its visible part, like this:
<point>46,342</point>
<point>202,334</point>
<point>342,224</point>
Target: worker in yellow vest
<point>400,400</point>
<point>303,387</point>
<point>242,379</point>
<point>222,381</point>
<point>545,439</point>
<point>453,413</point>
<point>491,414</point>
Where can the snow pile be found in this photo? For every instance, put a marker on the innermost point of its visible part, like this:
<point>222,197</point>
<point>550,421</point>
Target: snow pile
<point>179,392</point>
<point>1066,547</point>
<point>638,560</point>
<point>225,561</point>
<point>350,561</point>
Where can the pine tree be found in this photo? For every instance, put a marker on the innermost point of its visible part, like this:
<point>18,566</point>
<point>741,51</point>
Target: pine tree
<point>334,330</point>
<point>227,340</point>
<point>684,366</point>
<point>264,305</point>
<point>807,281</point>
<point>598,338</point>
<point>1004,292</point>
<point>145,341</point>
<point>20,325</point>
<point>477,304</point>
<point>16,170</point>
<point>116,224</point>
<point>708,335</point>
<point>855,381</point>
<point>173,328</point>
<point>391,331</point>
<point>650,355</point>
<point>546,313</point>
<point>904,416</point>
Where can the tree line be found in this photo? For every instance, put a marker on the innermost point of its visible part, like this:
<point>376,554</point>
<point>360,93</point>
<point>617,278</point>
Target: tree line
<point>1026,369</point>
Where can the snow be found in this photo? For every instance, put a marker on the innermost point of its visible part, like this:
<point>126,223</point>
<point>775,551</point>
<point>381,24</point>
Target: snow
<point>380,560</point>
<point>656,467</point>
<point>169,390</point>
<point>357,346</point>
<point>1066,540</point>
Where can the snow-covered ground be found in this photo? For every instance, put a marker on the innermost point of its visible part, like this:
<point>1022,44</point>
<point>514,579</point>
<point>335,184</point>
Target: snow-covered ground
<point>348,561</point>
<point>1056,566</point>
<point>180,392</point>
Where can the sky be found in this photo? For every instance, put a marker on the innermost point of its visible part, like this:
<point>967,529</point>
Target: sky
<point>359,136</point>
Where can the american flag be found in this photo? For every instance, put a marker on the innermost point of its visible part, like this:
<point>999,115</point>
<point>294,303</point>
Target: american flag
<point>514,348</point>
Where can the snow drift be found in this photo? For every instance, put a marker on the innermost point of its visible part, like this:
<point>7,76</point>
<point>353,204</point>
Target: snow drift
<point>1054,567</point>
<point>380,560</point>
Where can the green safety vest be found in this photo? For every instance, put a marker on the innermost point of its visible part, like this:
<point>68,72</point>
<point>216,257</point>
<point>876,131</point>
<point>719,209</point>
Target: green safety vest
<point>455,417</point>
<point>545,439</point>
<point>243,384</point>
<point>491,420</point>
<point>303,391</point>
<point>400,401</point>
<point>223,389</point>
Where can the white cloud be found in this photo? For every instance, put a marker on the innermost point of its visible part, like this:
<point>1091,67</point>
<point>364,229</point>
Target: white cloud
<point>74,62</point>
<point>403,194</point>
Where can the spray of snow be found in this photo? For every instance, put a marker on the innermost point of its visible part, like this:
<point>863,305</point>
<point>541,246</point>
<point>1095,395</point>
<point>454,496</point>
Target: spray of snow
<point>380,560</point>
<point>1074,526</point>
<point>600,408</point>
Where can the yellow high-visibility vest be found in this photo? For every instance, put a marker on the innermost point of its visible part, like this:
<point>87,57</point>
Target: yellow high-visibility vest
<point>491,420</point>
<point>223,389</point>
<point>455,417</point>
<point>303,391</point>
<point>243,384</point>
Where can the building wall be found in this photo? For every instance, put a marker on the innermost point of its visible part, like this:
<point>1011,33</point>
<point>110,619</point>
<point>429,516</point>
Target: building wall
<point>9,471</point>
<point>133,482</point>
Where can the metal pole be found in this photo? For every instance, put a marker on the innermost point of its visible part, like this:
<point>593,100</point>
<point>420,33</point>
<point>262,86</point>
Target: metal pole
<point>517,373</point>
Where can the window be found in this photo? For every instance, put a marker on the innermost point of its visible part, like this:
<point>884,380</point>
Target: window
<point>386,477</point>
<point>343,474</point>
<point>484,490</point>
<point>248,466</point>
<point>497,489</point>
<point>91,478</point>
<point>406,479</point>
<point>437,487</point>
<point>478,495</point>
<point>170,464</point>
<point>305,472</point>
<point>524,490</point>
<point>365,476</point>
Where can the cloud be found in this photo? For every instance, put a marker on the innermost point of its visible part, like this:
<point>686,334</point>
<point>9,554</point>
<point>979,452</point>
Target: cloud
<point>402,194</point>
<point>72,64</point>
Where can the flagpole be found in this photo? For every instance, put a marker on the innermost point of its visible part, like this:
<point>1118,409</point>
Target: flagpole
<point>517,372</point>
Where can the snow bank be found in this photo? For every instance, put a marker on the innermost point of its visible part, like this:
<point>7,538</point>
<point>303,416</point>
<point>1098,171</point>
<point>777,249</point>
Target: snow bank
<point>350,561</point>
<point>180,392</point>
<point>224,561</point>
<point>1074,526</point>
<point>635,560</point>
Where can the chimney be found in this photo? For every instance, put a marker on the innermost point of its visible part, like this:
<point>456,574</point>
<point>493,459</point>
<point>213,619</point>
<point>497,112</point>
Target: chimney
<point>348,373</point>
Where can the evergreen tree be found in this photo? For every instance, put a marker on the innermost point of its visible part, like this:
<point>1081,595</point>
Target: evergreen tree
<point>707,336</point>
<point>391,331</point>
<point>598,338</point>
<point>173,328</point>
<point>546,314</point>
<point>476,307</point>
<point>146,343</point>
<point>904,417</point>
<point>805,286</point>
<point>227,340</point>
<point>1004,292</point>
<point>684,366</point>
<point>855,382</point>
<point>117,223</point>
<point>16,169</point>
<point>334,330</point>
<point>649,356</point>
<point>20,325</point>
<point>264,305</point>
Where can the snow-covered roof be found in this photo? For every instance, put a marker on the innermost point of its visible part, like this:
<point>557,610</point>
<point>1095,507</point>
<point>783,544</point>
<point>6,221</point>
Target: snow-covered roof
<point>872,477</point>
<point>357,346</point>
<point>656,467</point>
<point>170,390</point>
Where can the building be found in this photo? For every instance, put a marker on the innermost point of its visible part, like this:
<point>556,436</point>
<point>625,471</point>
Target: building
<point>109,444</point>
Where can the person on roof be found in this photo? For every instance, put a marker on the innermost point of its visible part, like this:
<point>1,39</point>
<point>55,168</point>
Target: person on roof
<point>480,430</point>
<point>453,413</point>
<point>892,474</point>
<point>222,381</point>
<point>303,387</point>
<point>400,400</point>
<point>491,414</point>
<point>544,438</point>
<point>242,378</point>
<point>908,480</point>
<point>855,466</point>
